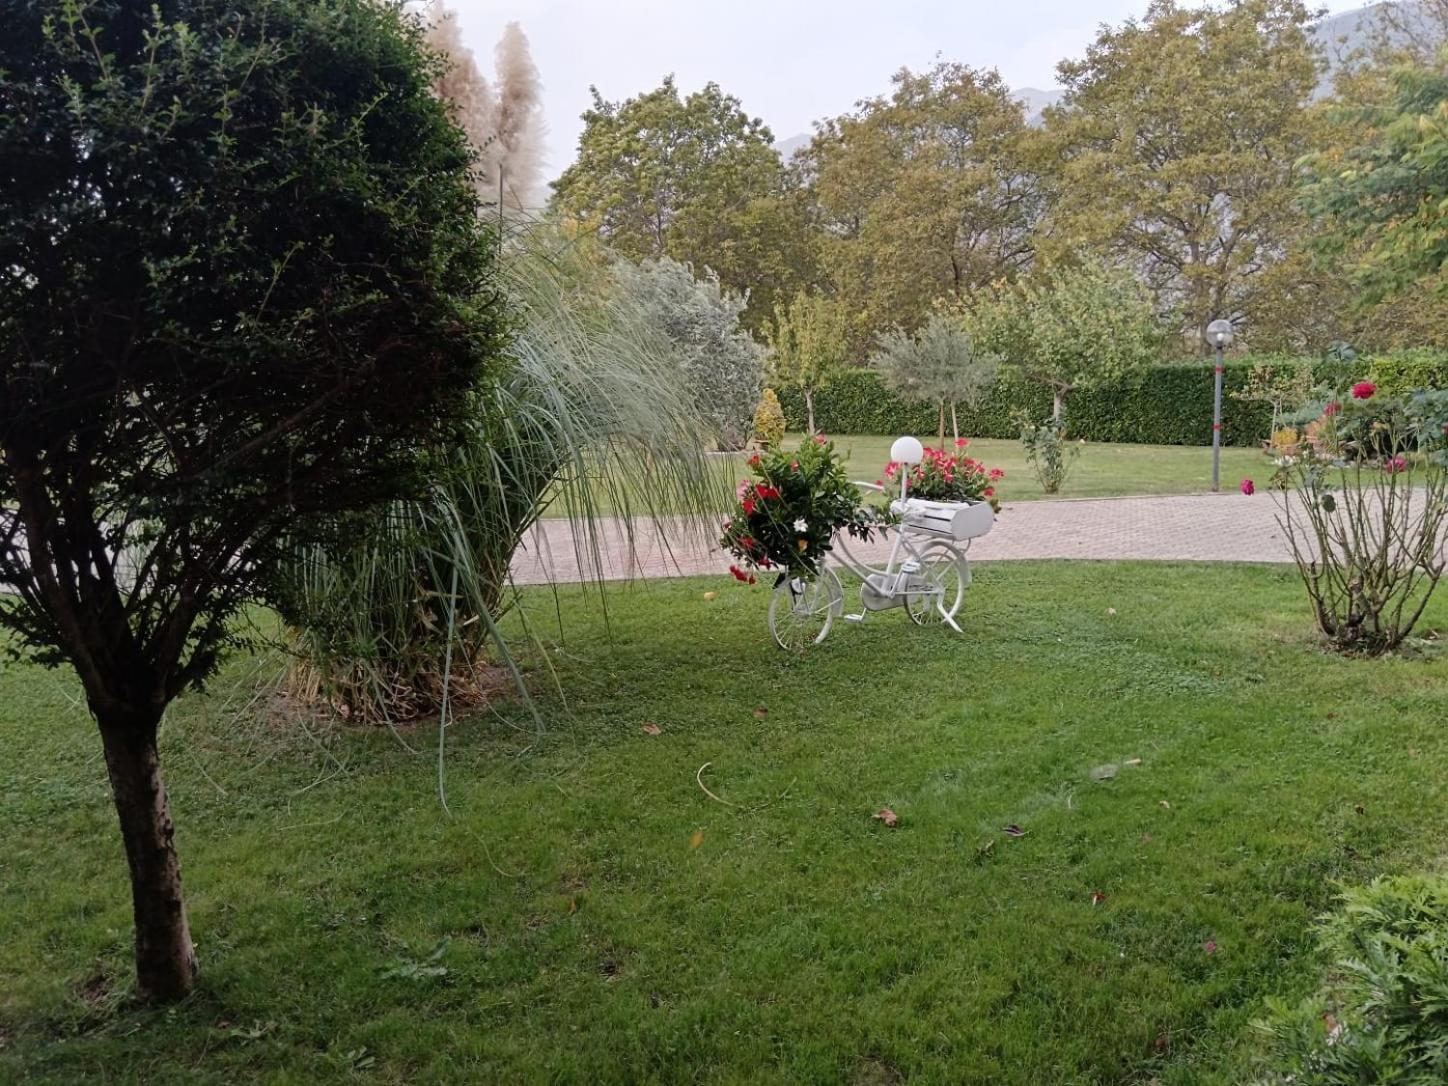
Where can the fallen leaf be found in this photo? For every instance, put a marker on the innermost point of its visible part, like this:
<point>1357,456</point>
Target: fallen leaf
<point>572,905</point>
<point>1360,809</point>
<point>1097,897</point>
<point>1165,804</point>
<point>710,597</point>
<point>1013,831</point>
<point>650,728</point>
<point>1111,611</point>
<point>985,850</point>
<point>1210,947</point>
<point>697,839</point>
<point>887,816</point>
<point>1105,772</point>
<point>760,712</point>
<point>1133,761</point>
<point>1146,838</point>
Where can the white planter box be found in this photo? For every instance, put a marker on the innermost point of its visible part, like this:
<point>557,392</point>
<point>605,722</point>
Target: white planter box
<point>951,520</point>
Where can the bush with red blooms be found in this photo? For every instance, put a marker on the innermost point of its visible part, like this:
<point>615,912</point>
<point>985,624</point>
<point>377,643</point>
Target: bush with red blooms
<point>949,477</point>
<point>788,514</point>
<point>1365,511</point>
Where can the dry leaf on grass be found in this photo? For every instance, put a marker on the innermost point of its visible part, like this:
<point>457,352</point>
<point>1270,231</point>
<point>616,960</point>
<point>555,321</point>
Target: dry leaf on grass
<point>1097,897</point>
<point>697,839</point>
<point>1013,831</point>
<point>760,712</point>
<point>650,728</point>
<point>887,816</point>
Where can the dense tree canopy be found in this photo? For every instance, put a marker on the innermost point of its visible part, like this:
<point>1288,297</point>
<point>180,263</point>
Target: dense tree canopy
<point>1178,142</point>
<point>242,283</point>
<point>921,195</point>
<point>693,178</point>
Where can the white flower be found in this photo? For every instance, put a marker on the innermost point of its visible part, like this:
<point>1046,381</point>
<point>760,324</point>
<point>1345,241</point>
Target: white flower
<point>801,525</point>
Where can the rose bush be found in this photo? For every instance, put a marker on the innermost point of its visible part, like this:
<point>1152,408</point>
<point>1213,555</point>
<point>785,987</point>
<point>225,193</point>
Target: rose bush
<point>788,513</point>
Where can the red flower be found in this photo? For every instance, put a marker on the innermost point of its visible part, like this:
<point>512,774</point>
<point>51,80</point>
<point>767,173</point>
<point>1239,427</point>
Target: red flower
<point>1248,487</point>
<point>961,443</point>
<point>1364,390</point>
<point>748,506</point>
<point>740,575</point>
<point>996,473</point>
<point>989,492</point>
<point>820,439</point>
<point>1332,409</point>
<point>754,461</point>
<point>794,465</point>
<point>765,493</point>
<point>1395,465</point>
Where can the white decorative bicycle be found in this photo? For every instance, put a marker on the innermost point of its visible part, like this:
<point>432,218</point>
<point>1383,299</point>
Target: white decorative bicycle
<point>927,571</point>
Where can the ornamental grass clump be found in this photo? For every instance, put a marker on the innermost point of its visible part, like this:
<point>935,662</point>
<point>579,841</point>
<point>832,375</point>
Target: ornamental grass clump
<point>949,477</point>
<point>787,515</point>
<point>1364,497</point>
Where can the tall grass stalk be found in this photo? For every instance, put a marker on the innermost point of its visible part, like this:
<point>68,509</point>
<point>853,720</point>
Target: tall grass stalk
<point>593,416</point>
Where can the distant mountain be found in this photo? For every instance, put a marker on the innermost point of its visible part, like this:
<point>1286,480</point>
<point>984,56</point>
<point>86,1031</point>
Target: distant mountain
<point>1340,35</point>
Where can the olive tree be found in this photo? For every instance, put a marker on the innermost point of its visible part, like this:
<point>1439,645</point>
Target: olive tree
<point>939,365</point>
<point>242,284</point>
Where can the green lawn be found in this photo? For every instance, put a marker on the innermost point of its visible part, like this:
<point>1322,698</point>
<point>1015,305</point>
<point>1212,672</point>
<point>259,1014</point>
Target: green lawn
<point>586,913</point>
<point>1102,471</point>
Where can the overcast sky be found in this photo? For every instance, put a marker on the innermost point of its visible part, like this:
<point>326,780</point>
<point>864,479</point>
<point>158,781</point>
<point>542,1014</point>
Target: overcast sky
<point>789,61</point>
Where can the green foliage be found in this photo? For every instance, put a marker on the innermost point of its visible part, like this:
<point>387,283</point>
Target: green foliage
<point>692,178</point>
<point>938,365</point>
<point>787,516</point>
<point>769,420</point>
<point>397,618</point>
<point>1071,328</point>
<point>1382,1014</point>
<point>1176,151</point>
<point>807,346</point>
<point>722,364</point>
<point>921,195</point>
<point>1162,404</point>
<point>1049,452</point>
<point>1385,194</point>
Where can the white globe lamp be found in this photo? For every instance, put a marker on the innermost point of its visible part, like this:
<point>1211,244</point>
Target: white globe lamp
<point>907,450</point>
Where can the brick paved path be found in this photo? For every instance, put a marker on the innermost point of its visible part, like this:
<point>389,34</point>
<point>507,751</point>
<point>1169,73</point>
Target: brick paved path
<point>1199,527</point>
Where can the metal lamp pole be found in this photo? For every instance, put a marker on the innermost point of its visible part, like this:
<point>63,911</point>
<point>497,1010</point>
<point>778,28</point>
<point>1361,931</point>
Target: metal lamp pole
<point>1219,334</point>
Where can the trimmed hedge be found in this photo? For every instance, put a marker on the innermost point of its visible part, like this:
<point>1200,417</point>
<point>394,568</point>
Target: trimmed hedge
<point>1167,404</point>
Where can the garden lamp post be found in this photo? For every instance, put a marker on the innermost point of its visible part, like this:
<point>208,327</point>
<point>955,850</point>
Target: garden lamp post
<point>1219,335</point>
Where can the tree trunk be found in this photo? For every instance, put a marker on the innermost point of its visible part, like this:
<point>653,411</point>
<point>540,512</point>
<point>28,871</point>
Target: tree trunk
<point>165,957</point>
<point>954,423</point>
<point>940,443</point>
<point>809,410</point>
<point>1058,408</point>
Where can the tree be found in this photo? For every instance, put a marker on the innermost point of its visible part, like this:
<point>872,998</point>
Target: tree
<point>922,195</point>
<point>692,178</point>
<point>939,365</point>
<point>244,281</point>
<point>1178,141</point>
<point>807,346</point>
<point>1071,328</point>
<point>1383,193</point>
<point>722,364</point>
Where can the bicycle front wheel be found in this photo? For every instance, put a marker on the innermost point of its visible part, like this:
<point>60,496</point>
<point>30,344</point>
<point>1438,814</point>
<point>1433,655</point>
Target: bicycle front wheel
<point>939,588</point>
<point>801,612</point>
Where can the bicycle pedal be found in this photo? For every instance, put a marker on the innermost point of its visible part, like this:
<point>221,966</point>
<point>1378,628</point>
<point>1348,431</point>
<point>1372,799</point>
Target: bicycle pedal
<point>855,618</point>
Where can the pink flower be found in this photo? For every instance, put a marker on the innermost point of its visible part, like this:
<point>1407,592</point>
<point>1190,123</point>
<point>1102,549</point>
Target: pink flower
<point>820,439</point>
<point>1395,465</point>
<point>1210,946</point>
<point>1364,390</point>
<point>743,489</point>
<point>1332,409</point>
<point>1248,487</point>
<point>961,443</point>
<point>794,465</point>
<point>996,473</point>
<point>989,492</point>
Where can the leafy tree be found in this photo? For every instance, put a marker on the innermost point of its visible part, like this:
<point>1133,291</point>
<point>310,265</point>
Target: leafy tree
<point>1071,328</point>
<point>922,195</point>
<point>722,364</point>
<point>692,178</point>
<point>242,281</point>
<point>1384,193</point>
<point>1178,144</point>
<point>807,346</point>
<point>939,365</point>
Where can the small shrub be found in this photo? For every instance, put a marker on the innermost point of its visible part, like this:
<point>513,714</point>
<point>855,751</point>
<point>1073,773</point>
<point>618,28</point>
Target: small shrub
<point>1048,452</point>
<point>769,420</point>
<point>1382,1015</point>
<point>1364,504</point>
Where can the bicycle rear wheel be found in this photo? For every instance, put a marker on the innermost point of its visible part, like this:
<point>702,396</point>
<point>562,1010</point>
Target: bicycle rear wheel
<point>944,574</point>
<point>801,612</point>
